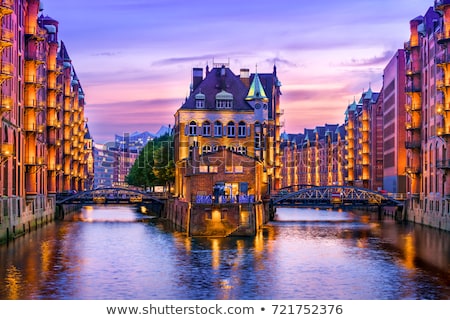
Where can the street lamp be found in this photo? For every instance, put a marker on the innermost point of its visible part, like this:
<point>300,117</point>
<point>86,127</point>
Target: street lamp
<point>6,152</point>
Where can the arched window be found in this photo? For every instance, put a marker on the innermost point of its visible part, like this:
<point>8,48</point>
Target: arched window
<point>206,129</point>
<point>258,135</point>
<point>231,129</point>
<point>192,128</point>
<point>217,129</point>
<point>242,129</point>
<point>206,149</point>
<point>241,150</point>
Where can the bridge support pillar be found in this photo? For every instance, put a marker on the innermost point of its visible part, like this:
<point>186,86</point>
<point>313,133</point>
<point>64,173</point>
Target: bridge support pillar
<point>380,213</point>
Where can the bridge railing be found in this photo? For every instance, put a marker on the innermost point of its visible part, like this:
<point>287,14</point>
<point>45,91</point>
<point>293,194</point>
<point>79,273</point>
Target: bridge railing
<point>209,199</point>
<point>337,195</point>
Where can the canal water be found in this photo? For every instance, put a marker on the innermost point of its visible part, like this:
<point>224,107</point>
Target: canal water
<point>106,252</point>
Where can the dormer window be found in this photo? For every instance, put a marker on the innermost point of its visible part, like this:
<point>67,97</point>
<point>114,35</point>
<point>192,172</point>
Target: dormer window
<point>200,100</point>
<point>224,100</point>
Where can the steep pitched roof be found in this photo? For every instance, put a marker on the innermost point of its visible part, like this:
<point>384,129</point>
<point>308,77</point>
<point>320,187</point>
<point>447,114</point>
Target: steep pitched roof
<point>223,81</point>
<point>256,90</point>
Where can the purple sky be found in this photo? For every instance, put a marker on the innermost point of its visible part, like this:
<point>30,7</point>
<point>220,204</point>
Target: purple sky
<point>134,58</point>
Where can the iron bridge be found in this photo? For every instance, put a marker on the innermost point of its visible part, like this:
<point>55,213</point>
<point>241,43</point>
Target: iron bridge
<point>334,196</point>
<point>108,196</point>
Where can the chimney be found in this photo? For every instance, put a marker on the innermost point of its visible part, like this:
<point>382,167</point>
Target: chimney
<point>245,77</point>
<point>197,77</point>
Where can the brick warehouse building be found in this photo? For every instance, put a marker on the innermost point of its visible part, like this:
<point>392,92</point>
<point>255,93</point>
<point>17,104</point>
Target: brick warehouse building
<point>233,121</point>
<point>44,141</point>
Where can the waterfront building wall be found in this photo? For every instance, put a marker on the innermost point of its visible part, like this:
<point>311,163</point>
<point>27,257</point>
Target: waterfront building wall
<point>428,117</point>
<point>393,125</point>
<point>42,127</point>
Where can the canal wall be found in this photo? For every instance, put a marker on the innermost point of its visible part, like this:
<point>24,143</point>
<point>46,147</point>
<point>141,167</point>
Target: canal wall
<point>19,216</point>
<point>427,212</point>
<point>216,219</point>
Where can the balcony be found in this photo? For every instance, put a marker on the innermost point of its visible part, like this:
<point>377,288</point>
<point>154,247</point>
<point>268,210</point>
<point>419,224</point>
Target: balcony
<point>34,32</point>
<point>408,45</point>
<point>35,57</point>
<point>443,164</point>
<point>6,38</point>
<point>442,131</point>
<point>410,126</point>
<point>37,81</point>
<point>442,108</point>
<point>34,104</point>
<point>413,107</point>
<point>54,123</point>
<point>52,141</point>
<point>413,89</point>
<point>443,36</point>
<point>5,104</point>
<point>54,167</point>
<point>412,170</point>
<point>442,60</point>
<point>6,71</point>
<point>34,161</point>
<point>33,127</point>
<point>412,70</point>
<point>6,7</point>
<point>413,144</point>
<point>442,84</point>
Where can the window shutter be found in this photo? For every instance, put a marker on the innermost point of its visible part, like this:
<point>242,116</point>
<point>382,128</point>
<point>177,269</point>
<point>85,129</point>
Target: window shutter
<point>186,130</point>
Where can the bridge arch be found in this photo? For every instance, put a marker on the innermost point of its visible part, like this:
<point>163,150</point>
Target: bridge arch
<point>333,195</point>
<point>109,194</point>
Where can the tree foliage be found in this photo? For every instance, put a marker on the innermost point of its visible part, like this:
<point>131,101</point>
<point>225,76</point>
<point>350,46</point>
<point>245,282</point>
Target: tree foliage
<point>155,164</point>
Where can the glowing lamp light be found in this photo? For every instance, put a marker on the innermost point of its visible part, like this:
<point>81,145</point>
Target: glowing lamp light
<point>7,150</point>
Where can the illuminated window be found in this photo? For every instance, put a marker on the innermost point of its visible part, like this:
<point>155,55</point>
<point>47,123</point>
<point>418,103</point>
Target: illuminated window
<point>231,129</point>
<point>203,169</point>
<point>241,150</point>
<point>217,129</point>
<point>206,149</point>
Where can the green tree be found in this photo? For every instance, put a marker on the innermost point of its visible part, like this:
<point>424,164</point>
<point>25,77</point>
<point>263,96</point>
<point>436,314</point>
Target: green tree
<point>154,165</point>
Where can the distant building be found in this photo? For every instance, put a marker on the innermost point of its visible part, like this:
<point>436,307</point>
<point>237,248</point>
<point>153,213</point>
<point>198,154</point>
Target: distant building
<point>105,166</point>
<point>314,157</point>
<point>360,144</point>
<point>135,141</point>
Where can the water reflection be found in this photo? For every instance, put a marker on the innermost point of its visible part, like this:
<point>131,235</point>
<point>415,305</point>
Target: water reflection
<point>115,253</point>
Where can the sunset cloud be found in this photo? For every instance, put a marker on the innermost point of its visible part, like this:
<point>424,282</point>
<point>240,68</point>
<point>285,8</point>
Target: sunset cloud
<point>135,58</point>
